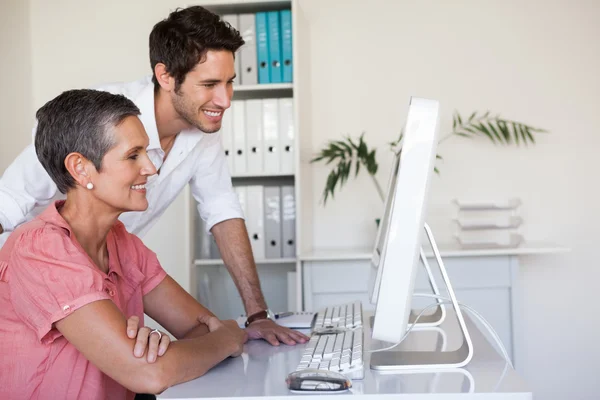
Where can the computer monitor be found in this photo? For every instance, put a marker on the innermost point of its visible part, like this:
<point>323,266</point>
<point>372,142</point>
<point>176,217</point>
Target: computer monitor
<point>397,247</point>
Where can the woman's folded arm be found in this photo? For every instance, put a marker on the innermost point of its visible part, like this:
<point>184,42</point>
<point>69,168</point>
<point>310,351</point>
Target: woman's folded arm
<point>98,331</point>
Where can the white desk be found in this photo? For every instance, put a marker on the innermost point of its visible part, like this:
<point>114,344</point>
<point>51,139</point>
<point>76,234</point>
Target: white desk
<point>261,371</point>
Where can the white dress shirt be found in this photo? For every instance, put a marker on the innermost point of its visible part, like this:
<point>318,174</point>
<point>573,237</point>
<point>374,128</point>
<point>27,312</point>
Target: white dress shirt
<point>196,158</point>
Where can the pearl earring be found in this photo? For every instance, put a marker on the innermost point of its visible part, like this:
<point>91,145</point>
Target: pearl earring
<point>90,185</point>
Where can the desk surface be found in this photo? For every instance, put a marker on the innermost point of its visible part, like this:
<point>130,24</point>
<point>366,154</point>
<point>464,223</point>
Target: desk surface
<point>261,371</point>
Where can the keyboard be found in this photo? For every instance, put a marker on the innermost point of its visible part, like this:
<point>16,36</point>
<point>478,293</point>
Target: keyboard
<point>336,343</point>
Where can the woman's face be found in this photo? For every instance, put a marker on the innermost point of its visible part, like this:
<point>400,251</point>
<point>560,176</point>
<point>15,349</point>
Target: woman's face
<point>121,182</point>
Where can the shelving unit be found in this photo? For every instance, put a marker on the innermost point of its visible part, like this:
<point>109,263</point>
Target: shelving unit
<point>488,225</point>
<point>289,268</point>
<point>258,262</point>
<point>265,87</point>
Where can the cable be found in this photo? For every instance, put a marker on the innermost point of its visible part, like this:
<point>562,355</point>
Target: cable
<point>461,305</point>
<point>437,303</point>
<point>479,317</point>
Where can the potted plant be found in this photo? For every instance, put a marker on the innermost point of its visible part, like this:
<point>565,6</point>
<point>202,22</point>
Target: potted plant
<point>349,155</point>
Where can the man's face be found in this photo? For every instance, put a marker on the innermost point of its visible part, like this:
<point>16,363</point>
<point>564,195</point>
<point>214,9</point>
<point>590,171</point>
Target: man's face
<point>206,91</point>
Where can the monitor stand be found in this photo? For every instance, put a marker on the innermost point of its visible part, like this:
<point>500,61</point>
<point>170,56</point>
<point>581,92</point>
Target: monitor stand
<point>426,320</point>
<point>436,318</point>
<point>402,360</point>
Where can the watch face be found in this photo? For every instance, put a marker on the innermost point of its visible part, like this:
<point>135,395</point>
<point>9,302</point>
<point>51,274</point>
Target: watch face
<point>270,314</point>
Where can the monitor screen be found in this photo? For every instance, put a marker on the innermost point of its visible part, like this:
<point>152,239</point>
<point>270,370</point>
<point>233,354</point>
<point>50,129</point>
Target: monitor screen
<point>396,253</point>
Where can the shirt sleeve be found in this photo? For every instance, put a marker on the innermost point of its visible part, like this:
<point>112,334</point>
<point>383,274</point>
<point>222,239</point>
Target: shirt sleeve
<point>24,185</point>
<point>211,185</point>
<point>49,279</point>
<point>149,265</point>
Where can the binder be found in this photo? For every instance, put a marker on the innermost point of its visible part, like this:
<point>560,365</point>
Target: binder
<point>286,135</point>
<point>287,51</point>
<point>274,37</point>
<point>255,220</point>
<point>262,47</point>
<point>202,240</point>
<point>227,137</point>
<point>254,136</point>
<point>288,221</point>
<point>272,196</point>
<point>214,249</point>
<point>248,66</point>
<point>234,21</point>
<point>242,197</point>
<point>270,114</point>
<point>239,137</point>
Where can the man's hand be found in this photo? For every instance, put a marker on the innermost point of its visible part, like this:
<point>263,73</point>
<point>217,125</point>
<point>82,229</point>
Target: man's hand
<point>271,332</point>
<point>146,341</point>
<point>229,328</point>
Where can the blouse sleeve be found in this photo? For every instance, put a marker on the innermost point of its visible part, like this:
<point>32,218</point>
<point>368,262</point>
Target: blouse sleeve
<point>49,279</point>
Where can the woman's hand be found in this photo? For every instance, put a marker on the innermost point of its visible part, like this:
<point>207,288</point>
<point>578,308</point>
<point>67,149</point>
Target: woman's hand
<point>156,345</point>
<point>229,328</point>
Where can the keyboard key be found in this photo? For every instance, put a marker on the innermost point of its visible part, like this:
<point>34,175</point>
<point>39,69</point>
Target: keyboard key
<point>342,351</point>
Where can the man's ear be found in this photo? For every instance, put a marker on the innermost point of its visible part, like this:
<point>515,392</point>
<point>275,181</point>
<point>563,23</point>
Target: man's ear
<point>78,167</point>
<point>165,80</point>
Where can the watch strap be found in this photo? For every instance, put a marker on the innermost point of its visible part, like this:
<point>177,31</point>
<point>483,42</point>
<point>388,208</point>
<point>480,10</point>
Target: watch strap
<point>263,314</point>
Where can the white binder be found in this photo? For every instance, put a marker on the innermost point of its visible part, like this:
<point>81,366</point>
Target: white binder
<point>203,239</point>
<point>227,137</point>
<point>255,220</point>
<point>242,197</point>
<point>288,221</point>
<point>272,162</point>
<point>254,136</point>
<point>272,222</point>
<point>286,135</point>
<point>249,74</point>
<point>239,137</point>
<point>234,21</point>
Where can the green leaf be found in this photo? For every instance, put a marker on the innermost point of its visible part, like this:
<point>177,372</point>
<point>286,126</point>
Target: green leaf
<point>459,118</point>
<point>496,134</point>
<point>518,135</point>
<point>462,134</point>
<point>530,136</point>
<point>352,144</point>
<point>481,127</point>
<point>472,116</point>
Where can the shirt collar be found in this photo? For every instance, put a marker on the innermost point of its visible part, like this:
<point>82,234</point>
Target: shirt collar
<point>52,216</point>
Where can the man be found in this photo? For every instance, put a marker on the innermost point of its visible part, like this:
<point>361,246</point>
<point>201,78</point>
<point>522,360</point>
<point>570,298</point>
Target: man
<point>182,105</point>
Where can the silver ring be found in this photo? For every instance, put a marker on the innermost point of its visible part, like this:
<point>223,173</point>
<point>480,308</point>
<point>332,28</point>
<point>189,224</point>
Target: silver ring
<point>156,331</point>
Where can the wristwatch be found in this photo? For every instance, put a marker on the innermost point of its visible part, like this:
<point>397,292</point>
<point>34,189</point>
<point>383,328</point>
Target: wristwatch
<point>263,314</point>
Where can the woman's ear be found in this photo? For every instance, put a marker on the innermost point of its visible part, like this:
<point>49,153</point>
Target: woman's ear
<point>165,80</point>
<point>78,165</point>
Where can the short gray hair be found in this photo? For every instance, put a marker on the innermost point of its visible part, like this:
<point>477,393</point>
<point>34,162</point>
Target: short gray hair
<point>78,121</point>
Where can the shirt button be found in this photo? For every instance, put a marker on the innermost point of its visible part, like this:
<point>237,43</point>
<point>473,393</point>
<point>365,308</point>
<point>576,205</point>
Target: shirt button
<point>67,309</point>
<point>111,293</point>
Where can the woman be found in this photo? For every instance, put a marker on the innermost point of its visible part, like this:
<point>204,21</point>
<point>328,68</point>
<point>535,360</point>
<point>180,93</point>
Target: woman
<point>70,278</point>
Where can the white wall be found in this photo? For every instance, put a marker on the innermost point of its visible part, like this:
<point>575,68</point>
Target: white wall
<point>15,80</point>
<point>535,62</point>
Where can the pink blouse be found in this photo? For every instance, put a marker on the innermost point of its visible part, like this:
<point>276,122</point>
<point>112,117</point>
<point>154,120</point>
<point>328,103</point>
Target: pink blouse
<point>44,276</point>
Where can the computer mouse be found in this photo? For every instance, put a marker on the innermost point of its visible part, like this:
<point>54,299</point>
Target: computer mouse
<point>317,380</point>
